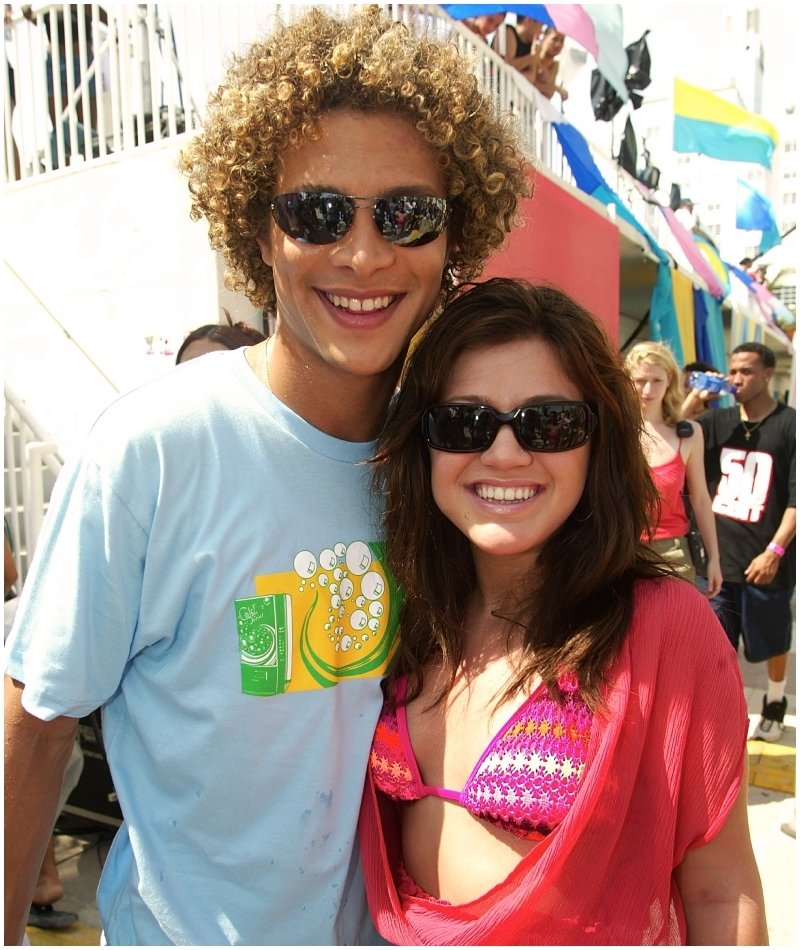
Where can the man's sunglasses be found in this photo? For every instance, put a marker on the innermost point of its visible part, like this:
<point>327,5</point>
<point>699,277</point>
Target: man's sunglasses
<point>539,427</point>
<point>323,217</point>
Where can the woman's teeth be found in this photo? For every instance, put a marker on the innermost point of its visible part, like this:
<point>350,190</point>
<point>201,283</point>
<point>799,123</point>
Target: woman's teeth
<point>360,306</point>
<point>495,493</point>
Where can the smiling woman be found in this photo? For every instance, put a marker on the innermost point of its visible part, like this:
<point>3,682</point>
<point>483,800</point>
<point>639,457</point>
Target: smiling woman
<point>507,499</point>
<point>559,757</point>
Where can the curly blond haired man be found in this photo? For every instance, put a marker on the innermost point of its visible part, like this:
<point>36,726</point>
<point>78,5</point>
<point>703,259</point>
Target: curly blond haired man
<point>211,569</point>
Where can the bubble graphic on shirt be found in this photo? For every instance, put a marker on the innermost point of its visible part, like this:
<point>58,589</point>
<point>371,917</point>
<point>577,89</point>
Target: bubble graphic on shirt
<point>358,558</point>
<point>372,585</point>
<point>346,589</point>
<point>349,583</point>
<point>358,620</point>
<point>305,564</point>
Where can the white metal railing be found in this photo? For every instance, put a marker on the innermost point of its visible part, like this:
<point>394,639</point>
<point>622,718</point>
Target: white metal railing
<point>84,81</point>
<point>133,74</point>
<point>32,463</point>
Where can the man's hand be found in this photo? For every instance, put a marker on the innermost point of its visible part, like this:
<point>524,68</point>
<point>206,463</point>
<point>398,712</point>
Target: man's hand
<point>762,569</point>
<point>695,402</point>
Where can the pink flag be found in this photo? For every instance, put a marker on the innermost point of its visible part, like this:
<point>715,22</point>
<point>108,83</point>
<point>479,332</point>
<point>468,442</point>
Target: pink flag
<point>696,258</point>
<point>572,20</point>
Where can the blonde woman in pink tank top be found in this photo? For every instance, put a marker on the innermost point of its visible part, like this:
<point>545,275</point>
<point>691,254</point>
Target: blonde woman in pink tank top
<point>674,450</point>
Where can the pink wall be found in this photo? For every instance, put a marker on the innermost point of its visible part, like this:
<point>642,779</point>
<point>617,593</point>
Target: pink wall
<point>565,244</point>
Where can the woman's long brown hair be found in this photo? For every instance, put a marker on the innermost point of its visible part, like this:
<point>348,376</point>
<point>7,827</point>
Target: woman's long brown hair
<point>578,604</point>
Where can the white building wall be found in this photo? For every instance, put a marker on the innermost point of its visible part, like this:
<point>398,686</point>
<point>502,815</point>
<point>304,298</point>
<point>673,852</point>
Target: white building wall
<point>98,260</point>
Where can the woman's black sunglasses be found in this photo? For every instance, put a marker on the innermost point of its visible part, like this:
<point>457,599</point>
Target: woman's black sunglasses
<point>539,427</point>
<point>322,217</point>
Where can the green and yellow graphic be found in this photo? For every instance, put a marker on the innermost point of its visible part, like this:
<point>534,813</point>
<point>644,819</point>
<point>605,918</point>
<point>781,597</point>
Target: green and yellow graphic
<point>333,617</point>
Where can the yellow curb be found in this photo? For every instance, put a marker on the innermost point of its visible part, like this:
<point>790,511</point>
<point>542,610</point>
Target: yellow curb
<point>772,766</point>
<point>76,935</point>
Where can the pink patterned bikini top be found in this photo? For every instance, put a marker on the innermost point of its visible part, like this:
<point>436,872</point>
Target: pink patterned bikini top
<point>525,781</point>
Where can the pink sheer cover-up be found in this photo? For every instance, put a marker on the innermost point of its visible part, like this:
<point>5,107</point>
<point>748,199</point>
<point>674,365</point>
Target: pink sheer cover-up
<point>664,768</point>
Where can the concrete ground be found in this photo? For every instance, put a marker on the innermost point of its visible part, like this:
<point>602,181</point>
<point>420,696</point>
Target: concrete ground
<point>771,804</point>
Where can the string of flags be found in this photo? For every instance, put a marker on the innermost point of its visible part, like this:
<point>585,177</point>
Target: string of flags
<point>691,323</point>
<point>686,317</point>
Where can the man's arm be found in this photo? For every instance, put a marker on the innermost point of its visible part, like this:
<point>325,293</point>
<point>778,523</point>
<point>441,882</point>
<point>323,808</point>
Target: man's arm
<point>762,569</point>
<point>36,756</point>
<point>720,886</point>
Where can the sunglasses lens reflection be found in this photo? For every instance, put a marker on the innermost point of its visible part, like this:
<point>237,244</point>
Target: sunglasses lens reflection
<point>313,217</point>
<point>553,428</point>
<point>409,221</point>
<point>325,217</point>
<point>546,427</point>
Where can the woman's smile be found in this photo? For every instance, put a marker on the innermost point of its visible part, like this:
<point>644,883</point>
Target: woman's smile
<point>507,499</point>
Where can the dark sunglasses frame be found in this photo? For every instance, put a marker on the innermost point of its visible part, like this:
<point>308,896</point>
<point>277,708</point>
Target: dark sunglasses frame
<point>324,217</point>
<point>482,439</point>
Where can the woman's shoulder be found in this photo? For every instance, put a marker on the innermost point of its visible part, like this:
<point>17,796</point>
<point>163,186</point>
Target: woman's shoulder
<point>654,595</point>
<point>673,614</point>
<point>691,436</point>
<point>675,640</point>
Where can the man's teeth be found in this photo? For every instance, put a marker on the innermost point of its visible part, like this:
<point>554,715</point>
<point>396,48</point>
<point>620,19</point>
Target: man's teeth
<point>360,306</point>
<point>493,493</point>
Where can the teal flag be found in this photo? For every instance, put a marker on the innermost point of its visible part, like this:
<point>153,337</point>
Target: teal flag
<point>663,316</point>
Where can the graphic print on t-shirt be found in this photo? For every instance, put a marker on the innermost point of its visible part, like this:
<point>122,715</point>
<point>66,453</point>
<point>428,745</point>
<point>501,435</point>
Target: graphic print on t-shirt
<point>743,489</point>
<point>333,617</point>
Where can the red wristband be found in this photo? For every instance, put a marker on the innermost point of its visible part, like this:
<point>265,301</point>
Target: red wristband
<point>776,548</point>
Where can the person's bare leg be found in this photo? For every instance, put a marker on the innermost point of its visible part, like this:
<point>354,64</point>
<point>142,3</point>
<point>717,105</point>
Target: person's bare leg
<point>48,885</point>
<point>776,667</point>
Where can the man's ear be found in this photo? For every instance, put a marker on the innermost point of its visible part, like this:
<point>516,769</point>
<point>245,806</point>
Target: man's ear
<point>266,252</point>
<point>769,372</point>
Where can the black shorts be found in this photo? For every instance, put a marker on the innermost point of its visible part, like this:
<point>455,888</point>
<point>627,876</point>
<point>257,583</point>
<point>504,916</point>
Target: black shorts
<point>762,617</point>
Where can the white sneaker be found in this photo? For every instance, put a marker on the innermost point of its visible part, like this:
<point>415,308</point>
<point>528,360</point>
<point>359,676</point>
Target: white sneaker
<point>771,727</point>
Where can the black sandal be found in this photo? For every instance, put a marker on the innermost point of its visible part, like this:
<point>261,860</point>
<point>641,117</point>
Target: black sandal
<point>46,918</point>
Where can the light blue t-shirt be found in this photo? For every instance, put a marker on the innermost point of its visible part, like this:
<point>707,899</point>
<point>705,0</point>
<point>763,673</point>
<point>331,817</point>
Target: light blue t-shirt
<point>208,573</point>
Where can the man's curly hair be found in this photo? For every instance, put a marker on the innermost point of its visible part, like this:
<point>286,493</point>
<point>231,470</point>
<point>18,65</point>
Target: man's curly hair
<point>274,95</point>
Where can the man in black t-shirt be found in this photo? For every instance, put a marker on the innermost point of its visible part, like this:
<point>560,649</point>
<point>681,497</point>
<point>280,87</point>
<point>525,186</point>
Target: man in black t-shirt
<point>750,469</point>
